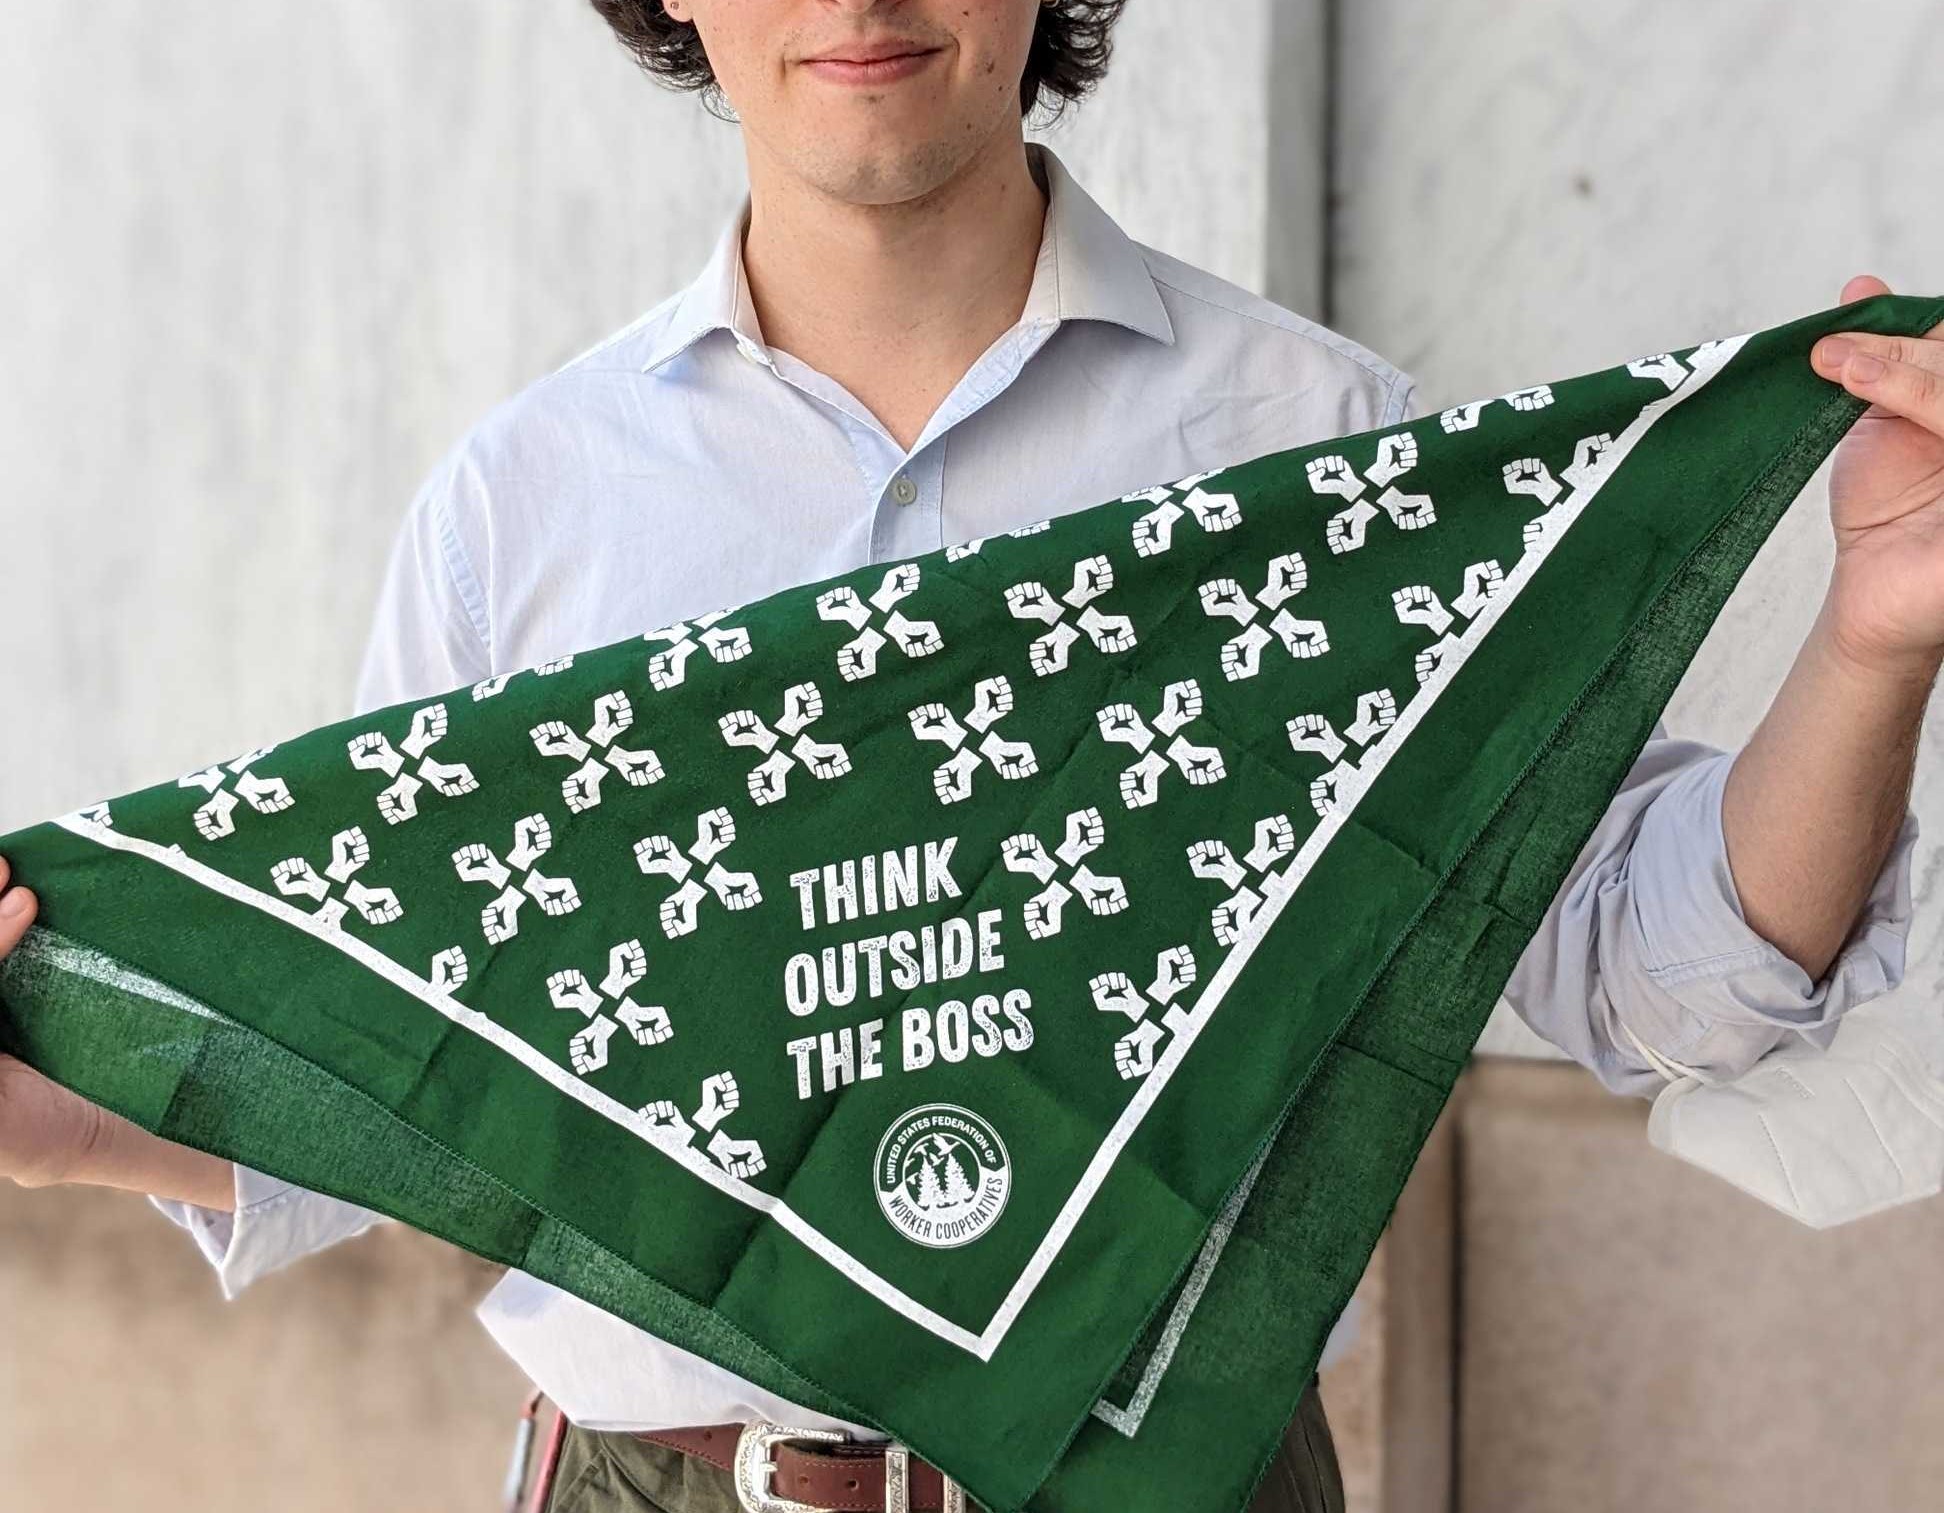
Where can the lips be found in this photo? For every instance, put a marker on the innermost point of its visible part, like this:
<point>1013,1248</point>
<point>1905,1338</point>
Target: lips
<point>872,52</point>
<point>876,63</point>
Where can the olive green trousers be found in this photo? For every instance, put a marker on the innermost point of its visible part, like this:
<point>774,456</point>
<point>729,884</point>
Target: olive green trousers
<point>617,1473</point>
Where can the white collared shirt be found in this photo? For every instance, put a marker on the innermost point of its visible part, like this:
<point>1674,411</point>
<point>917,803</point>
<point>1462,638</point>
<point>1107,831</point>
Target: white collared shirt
<point>683,465</point>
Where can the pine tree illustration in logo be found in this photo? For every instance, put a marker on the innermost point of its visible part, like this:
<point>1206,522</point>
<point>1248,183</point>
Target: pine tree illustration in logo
<point>929,1193</point>
<point>957,1188</point>
<point>942,1174</point>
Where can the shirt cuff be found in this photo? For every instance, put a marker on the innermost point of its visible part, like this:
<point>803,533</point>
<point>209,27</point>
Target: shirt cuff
<point>274,1224</point>
<point>1700,950</point>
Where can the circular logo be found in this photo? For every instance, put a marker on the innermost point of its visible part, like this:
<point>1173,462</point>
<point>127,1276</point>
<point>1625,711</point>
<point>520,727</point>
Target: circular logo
<point>942,1174</point>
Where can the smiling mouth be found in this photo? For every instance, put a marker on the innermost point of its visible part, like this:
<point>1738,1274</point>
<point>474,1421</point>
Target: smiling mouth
<point>882,69</point>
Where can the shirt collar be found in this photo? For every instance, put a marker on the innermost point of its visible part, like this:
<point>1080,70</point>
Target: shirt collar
<point>1088,269</point>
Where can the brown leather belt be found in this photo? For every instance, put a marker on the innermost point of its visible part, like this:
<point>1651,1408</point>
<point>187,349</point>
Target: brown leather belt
<point>779,1469</point>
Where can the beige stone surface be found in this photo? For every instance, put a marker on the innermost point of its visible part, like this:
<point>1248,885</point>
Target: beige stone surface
<point>1638,1334</point>
<point>1389,1397</point>
<point>357,1380</point>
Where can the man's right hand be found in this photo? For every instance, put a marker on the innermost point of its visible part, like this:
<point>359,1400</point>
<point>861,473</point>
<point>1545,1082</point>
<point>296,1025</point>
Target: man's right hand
<point>49,1134</point>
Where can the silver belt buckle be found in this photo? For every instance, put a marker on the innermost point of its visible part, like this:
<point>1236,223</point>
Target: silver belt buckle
<point>754,1466</point>
<point>897,1483</point>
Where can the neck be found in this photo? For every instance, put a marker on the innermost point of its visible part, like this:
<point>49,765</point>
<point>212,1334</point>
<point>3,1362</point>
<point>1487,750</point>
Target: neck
<point>894,301</point>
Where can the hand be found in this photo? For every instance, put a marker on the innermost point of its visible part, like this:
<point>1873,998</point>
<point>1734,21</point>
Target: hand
<point>49,1134</point>
<point>1885,610</point>
<point>46,1132</point>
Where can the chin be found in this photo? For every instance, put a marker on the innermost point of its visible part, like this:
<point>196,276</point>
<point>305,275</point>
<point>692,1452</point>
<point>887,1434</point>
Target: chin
<point>882,168</point>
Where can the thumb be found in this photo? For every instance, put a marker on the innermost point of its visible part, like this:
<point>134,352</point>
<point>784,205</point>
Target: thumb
<point>1863,286</point>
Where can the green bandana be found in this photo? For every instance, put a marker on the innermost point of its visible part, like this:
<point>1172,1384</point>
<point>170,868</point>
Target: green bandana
<point>996,996</point>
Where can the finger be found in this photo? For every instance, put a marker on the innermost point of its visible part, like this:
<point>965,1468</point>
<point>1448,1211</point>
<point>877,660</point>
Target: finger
<point>1835,353</point>
<point>1863,286</point>
<point>17,909</point>
<point>1901,388</point>
<point>1868,285</point>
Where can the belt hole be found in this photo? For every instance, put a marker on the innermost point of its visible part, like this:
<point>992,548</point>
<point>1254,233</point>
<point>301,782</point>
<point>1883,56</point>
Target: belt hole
<point>853,1484</point>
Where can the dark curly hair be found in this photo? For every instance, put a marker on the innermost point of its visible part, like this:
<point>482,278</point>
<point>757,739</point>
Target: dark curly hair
<point>1072,40</point>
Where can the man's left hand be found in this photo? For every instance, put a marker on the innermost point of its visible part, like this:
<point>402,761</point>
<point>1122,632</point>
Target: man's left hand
<point>1886,497</point>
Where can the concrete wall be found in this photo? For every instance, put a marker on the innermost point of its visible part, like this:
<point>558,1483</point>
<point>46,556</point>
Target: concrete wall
<point>1528,191</point>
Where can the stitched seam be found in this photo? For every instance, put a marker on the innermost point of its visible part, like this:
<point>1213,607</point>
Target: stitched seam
<point>1717,965</point>
<point>460,571</point>
<point>603,1447</point>
<point>1401,390</point>
<point>259,1037</point>
<point>1876,1129</point>
<point>557,1496</point>
<point>1794,1201</point>
<point>1309,1445</point>
<point>263,1206</point>
<point>1312,336</point>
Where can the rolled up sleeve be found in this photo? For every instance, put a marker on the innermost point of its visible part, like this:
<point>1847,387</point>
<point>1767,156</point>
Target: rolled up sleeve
<point>1645,959</point>
<point>274,1224</point>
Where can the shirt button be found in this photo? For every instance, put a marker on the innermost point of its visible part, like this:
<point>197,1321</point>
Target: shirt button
<point>903,489</point>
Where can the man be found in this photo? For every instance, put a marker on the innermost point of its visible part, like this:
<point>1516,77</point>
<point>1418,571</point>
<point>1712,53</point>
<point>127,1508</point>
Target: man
<point>919,329</point>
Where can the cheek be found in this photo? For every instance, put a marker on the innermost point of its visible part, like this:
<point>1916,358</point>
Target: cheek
<point>741,43</point>
<point>996,57</point>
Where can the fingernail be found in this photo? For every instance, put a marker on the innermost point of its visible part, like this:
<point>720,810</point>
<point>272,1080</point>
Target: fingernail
<point>1833,352</point>
<point>14,904</point>
<point>1866,367</point>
